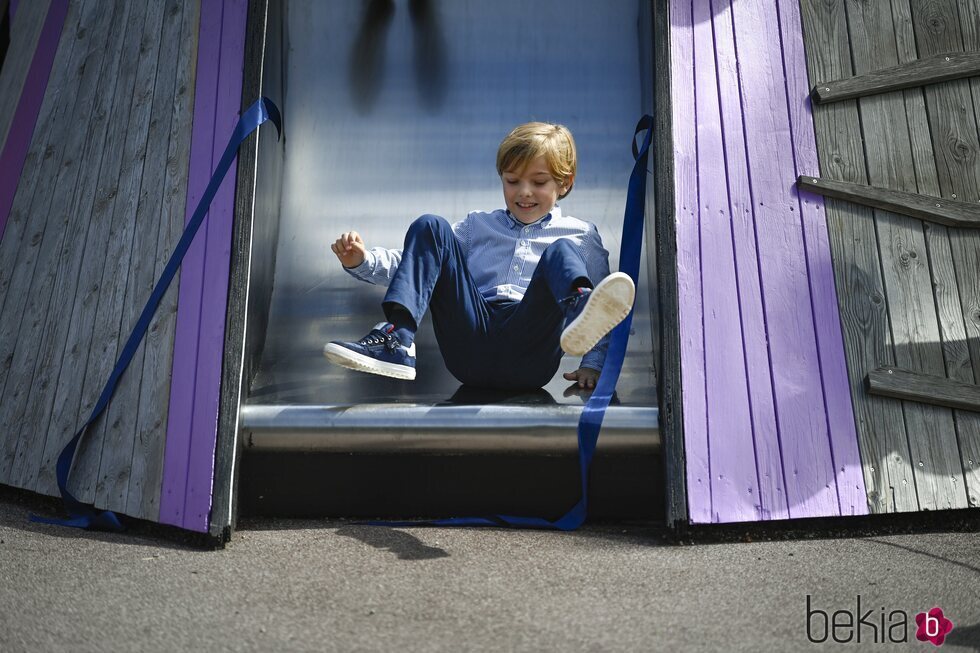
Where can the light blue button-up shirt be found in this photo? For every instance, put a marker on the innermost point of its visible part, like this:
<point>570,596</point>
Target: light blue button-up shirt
<point>501,254</point>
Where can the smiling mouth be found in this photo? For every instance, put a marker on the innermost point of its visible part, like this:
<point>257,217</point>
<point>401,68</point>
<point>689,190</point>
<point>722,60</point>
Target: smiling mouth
<point>526,206</point>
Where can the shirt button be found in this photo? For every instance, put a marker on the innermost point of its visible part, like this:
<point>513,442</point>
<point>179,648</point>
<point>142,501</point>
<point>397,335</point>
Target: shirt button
<point>523,242</point>
<point>527,229</point>
<point>516,268</point>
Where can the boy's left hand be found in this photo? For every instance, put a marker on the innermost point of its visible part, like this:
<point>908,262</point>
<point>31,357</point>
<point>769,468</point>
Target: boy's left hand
<point>585,377</point>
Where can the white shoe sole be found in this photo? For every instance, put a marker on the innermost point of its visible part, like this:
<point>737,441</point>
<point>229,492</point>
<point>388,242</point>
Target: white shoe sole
<point>354,361</point>
<point>608,305</point>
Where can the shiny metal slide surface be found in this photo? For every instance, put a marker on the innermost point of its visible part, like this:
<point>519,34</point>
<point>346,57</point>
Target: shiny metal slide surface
<point>393,109</point>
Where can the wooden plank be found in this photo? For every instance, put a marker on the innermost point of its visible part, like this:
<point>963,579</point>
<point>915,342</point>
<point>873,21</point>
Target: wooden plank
<point>17,62</point>
<point>768,458</point>
<point>953,118</point>
<point>929,70</point>
<point>21,247</point>
<point>937,390</point>
<point>182,389</point>
<point>857,266</point>
<point>851,492</point>
<point>72,190</point>
<point>147,473</point>
<point>88,478</point>
<point>159,52</point>
<point>670,381</point>
<point>214,299</point>
<point>734,478</point>
<point>800,407</point>
<point>968,424</point>
<point>84,344</point>
<point>901,243</point>
<point>950,213</point>
<point>689,264</point>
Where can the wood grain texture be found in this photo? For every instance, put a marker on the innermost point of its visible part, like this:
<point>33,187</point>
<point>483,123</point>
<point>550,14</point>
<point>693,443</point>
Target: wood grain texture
<point>689,264</point>
<point>21,247</point>
<point>72,190</point>
<point>147,473</point>
<point>79,384</point>
<point>24,35</point>
<point>950,213</point>
<point>768,458</point>
<point>857,265</point>
<point>916,386</point>
<point>930,70</point>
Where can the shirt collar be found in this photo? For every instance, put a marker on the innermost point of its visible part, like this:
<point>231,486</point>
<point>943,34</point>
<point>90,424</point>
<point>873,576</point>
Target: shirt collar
<point>540,222</point>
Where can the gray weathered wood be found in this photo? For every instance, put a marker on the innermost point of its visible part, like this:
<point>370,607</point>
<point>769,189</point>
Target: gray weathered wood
<point>151,430</point>
<point>45,347</point>
<point>950,213</point>
<point>938,390</point>
<point>969,423</point>
<point>857,266</point>
<point>24,34</point>
<point>901,242</point>
<point>123,414</point>
<point>117,447</point>
<point>930,70</point>
<point>68,411</point>
<point>22,245</point>
<point>953,122</point>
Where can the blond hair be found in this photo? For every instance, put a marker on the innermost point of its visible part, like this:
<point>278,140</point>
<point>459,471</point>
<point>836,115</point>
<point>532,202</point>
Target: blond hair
<point>533,139</point>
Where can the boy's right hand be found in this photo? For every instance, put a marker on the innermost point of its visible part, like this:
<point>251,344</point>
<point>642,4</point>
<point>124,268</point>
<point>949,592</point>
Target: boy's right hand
<point>350,249</point>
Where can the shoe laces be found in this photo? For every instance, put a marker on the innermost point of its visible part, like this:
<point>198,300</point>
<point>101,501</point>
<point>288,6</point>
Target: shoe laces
<point>379,336</point>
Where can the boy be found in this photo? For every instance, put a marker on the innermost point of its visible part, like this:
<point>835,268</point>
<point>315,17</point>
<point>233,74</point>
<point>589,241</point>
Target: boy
<point>509,290</point>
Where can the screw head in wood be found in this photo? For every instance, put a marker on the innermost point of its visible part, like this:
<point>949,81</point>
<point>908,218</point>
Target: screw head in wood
<point>938,206</point>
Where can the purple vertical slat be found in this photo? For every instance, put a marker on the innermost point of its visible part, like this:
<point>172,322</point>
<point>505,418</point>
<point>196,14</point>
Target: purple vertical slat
<point>801,414</point>
<point>13,10</point>
<point>180,434</point>
<point>768,459</point>
<point>216,272</point>
<point>689,263</point>
<point>734,483</point>
<point>843,434</point>
<point>25,117</point>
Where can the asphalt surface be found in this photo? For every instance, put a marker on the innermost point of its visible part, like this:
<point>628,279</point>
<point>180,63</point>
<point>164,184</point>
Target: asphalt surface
<point>317,585</point>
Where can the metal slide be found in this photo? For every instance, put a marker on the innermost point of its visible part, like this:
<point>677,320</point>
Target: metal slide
<point>394,109</point>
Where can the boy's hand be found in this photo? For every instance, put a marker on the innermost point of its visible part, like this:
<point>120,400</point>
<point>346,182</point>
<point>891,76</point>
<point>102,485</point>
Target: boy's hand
<point>585,377</point>
<point>349,249</point>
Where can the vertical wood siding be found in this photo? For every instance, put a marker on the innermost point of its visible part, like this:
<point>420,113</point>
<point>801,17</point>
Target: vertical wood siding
<point>909,291</point>
<point>98,209</point>
<point>769,430</point>
<point>193,412</point>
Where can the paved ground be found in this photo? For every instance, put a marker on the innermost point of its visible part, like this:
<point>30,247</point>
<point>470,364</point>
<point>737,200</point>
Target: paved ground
<point>331,586</point>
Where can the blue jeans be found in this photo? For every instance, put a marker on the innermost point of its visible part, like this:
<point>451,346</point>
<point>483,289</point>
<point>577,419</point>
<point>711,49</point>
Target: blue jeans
<point>499,344</point>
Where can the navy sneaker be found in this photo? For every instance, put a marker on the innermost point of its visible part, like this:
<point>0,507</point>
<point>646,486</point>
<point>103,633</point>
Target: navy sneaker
<point>591,314</point>
<point>379,352</point>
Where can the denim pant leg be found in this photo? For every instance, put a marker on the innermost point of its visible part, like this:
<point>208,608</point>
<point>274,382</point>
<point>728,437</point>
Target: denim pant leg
<point>432,275</point>
<point>530,331</point>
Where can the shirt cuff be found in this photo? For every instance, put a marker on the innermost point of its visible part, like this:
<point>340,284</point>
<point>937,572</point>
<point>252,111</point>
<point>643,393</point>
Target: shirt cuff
<point>594,360</point>
<point>365,270</point>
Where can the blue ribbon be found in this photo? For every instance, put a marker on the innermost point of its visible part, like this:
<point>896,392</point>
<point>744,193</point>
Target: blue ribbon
<point>82,515</point>
<point>595,408</point>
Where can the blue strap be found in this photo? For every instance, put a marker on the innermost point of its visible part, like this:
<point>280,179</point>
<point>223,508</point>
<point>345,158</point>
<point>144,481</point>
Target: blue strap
<point>82,515</point>
<point>595,408</point>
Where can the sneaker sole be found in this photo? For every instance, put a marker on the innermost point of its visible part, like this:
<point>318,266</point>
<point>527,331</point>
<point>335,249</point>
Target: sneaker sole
<point>608,305</point>
<point>354,361</point>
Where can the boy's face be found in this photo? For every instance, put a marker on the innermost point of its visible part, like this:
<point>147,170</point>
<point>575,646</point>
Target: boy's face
<point>531,193</point>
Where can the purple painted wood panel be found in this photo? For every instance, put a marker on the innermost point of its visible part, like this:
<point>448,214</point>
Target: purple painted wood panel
<point>769,427</point>
<point>13,10</point>
<point>800,409</point>
<point>768,458</point>
<point>851,491</point>
<point>697,451</point>
<point>734,484</point>
<point>193,413</point>
<point>25,117</point>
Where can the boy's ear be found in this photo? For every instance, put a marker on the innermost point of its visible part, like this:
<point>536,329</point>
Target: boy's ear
<point>566,187</point>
